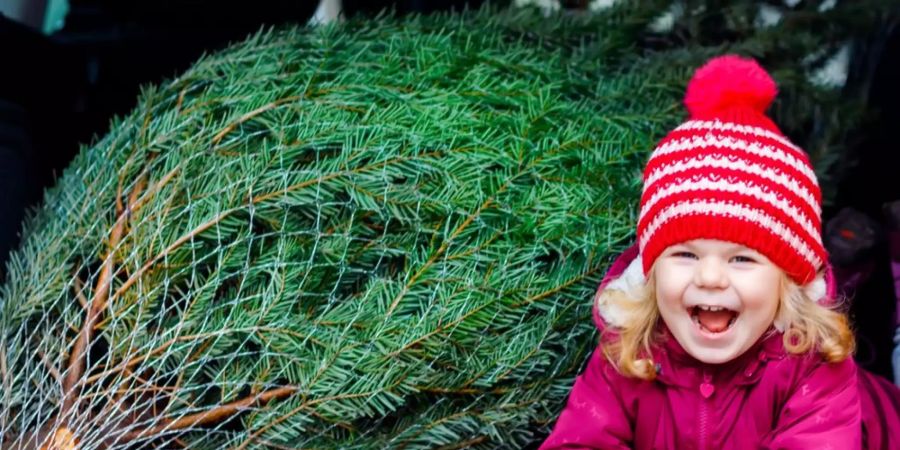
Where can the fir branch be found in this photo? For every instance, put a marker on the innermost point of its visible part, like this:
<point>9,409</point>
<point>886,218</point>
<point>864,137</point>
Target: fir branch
<point>76,365</point>
<point>214,415</point>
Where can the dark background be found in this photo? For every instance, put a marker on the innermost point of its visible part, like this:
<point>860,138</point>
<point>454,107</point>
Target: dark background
<point>59,92</point>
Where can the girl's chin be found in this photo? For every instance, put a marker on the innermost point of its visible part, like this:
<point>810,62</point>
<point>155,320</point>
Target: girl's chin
<point>712,355</point>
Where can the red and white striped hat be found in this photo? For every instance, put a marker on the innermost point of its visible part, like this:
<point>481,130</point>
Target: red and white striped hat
<point>728,173</point>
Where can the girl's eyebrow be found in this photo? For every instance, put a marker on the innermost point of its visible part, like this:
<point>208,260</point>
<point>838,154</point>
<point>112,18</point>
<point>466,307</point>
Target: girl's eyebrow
<point>737,248</point>
<point>740,250</point>
<point>731,247</point>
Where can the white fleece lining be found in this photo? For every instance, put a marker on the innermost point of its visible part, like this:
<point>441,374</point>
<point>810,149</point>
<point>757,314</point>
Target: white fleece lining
<point>816,289</point>
<point>631,282</point>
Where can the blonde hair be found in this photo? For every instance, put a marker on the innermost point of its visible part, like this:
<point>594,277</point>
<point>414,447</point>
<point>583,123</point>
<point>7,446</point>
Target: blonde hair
<point>808,326</point>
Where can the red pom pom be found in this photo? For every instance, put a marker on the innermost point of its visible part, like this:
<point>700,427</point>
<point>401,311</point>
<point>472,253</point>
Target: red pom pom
<point>728,81</point>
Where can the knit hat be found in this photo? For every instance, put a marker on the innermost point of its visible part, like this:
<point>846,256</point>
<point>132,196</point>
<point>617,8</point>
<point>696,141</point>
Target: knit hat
<point>728,173</point>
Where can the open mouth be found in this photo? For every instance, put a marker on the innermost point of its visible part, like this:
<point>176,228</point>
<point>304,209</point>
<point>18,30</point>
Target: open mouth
<point>713,319</point>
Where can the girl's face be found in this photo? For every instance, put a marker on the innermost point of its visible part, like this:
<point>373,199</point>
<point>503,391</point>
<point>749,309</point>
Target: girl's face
<point>716,297</point>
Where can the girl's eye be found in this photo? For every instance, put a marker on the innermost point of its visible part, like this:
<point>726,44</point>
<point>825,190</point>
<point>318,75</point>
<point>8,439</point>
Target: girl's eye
<point>743,259</point>
<point>684,255</point>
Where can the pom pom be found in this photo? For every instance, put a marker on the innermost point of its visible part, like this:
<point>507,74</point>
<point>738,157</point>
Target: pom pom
<point>728,81</point>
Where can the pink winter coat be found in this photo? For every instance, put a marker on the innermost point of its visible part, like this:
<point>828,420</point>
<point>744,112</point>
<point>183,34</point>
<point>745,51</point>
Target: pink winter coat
<point>765,398</point>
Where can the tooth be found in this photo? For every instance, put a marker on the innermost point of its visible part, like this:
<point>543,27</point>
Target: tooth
<point>716,308</point>
<point>704,307</point>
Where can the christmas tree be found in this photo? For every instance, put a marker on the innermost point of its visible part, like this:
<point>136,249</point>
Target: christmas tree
<point>379,234</point>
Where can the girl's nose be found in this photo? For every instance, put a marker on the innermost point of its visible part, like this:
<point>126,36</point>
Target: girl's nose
<point>711,274</point>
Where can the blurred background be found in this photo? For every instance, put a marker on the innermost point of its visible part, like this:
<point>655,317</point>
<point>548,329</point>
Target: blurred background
<point>68,66</point>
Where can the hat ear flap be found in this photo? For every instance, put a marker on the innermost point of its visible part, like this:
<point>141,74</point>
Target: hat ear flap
<point>631,283</point>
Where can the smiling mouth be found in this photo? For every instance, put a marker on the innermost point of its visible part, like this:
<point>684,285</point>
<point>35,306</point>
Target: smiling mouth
<point>713,319</point>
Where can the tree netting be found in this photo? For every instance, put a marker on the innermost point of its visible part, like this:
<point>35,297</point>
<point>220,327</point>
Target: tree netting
<point>380,234</point>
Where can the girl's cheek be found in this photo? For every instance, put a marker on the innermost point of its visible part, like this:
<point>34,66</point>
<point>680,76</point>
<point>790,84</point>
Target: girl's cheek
<point>763,289</point>
<point>760,296</point>
<point>669,287</point>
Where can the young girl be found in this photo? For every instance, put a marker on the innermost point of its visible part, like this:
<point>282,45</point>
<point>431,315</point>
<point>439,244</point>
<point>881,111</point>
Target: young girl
<point>717,328</point>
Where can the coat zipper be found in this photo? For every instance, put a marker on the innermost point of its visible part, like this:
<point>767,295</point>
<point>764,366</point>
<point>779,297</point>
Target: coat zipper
<point>706,391</point>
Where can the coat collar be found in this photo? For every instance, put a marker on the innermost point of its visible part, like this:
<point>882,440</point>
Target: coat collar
<point>675,366</point>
